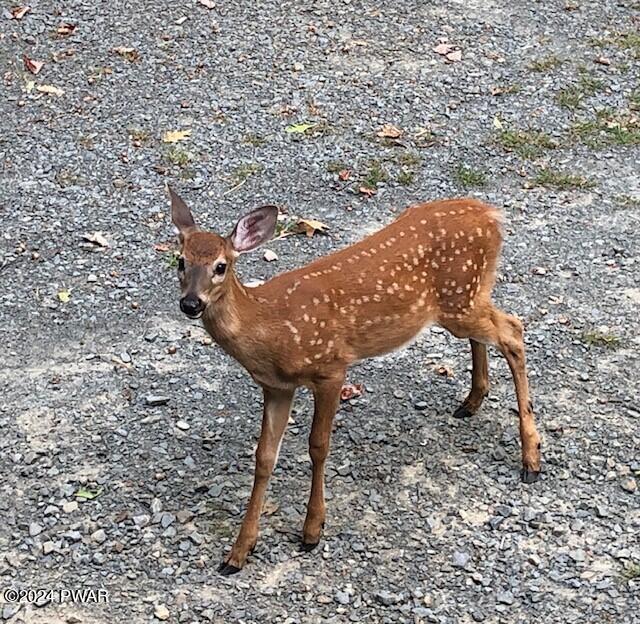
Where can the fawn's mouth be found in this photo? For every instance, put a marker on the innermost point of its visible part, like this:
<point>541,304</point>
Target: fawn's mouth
<point>195,317</point>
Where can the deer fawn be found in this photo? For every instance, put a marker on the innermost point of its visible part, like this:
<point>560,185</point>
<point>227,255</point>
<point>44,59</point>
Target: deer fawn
<point>435,263</point>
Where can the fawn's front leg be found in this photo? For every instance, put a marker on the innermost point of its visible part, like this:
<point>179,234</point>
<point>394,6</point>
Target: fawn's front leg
<point>277,407</point>
<point>326,398</point>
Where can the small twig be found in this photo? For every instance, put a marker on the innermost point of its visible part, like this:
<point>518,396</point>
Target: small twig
<point>234,188</point>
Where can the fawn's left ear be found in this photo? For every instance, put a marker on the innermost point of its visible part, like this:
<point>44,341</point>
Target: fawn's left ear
<point>180,213</point>
<point>254,229</point>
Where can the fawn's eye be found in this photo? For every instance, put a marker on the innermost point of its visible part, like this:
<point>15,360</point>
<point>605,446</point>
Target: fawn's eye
<point>220,268</point>
<point>181,264</point>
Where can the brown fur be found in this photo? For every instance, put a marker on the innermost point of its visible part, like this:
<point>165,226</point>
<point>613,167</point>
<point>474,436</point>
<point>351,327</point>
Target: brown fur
<point>436,263</point>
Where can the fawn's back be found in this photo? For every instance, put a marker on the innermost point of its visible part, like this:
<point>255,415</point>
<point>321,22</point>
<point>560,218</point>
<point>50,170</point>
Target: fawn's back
<point>433,264</point>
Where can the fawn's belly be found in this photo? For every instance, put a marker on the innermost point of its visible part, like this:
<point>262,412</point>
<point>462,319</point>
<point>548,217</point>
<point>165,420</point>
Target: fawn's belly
<point>390,335</point>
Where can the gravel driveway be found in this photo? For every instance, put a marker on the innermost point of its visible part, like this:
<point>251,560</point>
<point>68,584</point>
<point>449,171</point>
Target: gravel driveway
<point>127,438</point>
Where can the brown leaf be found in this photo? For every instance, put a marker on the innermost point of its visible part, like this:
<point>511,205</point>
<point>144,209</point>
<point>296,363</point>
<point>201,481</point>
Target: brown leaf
<point>173,136</point>
<point>443,48</point>
<point>19,12</point>
<point>369,192</point>
<point>270,507</point>
<point>163,247</point>
<point>50,89</point>
<point>444,370</point>
<point>349,391</point>
<point>33,66</point>
<point>454,56</point>
<point>602,60</point>
<point>344,174</point>
<point>97,238</point>
<point>389,131</point>
<point>451,52</point>
<point>64,30</point>
<point>130,54</point>
<point>311,226</point>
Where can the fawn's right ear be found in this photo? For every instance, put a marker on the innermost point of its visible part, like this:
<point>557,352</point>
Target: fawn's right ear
<point>180,213</point>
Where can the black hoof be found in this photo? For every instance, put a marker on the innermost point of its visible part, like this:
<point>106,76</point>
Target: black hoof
<point>462,412</point>
<point>529,476</point>
<point>304,547</point>
<point>226,569</point>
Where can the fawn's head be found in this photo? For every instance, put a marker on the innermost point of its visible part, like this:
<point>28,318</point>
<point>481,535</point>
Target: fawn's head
<point>206,262</point>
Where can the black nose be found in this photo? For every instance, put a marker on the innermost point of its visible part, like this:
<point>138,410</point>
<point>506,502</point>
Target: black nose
<point>191,306</point>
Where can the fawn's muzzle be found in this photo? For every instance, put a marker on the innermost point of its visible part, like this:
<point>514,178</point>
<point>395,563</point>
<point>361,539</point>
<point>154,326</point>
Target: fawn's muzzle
<point>192,306</point>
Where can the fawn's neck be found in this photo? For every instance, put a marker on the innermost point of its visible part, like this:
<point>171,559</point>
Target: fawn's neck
<point>232,312</point>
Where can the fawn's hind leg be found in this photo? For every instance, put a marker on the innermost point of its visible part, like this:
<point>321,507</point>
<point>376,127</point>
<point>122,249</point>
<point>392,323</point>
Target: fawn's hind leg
<point>487,324</point>
<point>479,381</point>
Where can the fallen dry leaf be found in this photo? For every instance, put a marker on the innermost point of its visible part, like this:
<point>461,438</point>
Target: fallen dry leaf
<point>173,136</point>
<point>33,66</point>
<point>300,128</point>
<point>19,12</point>
<point>454,56</point>
<point>451,52</point>
<point>369,192</point>
<point>130,54</point>
<point>349,391</point>
<point>389,131</point>
<point>97,238</point>
<point>64,30</point>
<point>270,507</point>
<point>344,174</point>
<point>443,48</point>
<point>50,89</point>
<point>163,247</point>
<point>207,3</point>
<point>269,255</point>
<point>602,60</point>
<point>311,226</point>
<point>64,296</point>
<point>444,370</point>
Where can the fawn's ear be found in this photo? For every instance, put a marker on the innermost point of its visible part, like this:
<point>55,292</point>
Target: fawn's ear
<point>180,213</point>
<point>254,229</point>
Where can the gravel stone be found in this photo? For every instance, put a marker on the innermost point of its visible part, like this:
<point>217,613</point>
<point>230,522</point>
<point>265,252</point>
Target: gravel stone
<point>460,559</point>
<point>156,399</point>
<point>629,484</point>
<point>388,598</point>
<point>35,529</point>
<point>505,597</point>
<point>99,536</point>
<point>342,597</point>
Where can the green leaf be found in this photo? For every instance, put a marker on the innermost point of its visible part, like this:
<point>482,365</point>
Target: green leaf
<point>88,494</point>
<point>300,128</point>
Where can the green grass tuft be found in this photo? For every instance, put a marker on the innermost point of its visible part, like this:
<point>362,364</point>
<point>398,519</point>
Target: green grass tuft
<point>596,338</point>
<point>335,166</point>
<point>254,139</point>
<point>245,171</point>
<point>562,181</point>
<point>526,143</point>
<point>468,177</point>
<point>572,96</point>
<point>374,175</point>
<point>545,63</point>
<point>631,572</point>
<point>178,156</point>
<point>610,127</point>
<point>406,177</point>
